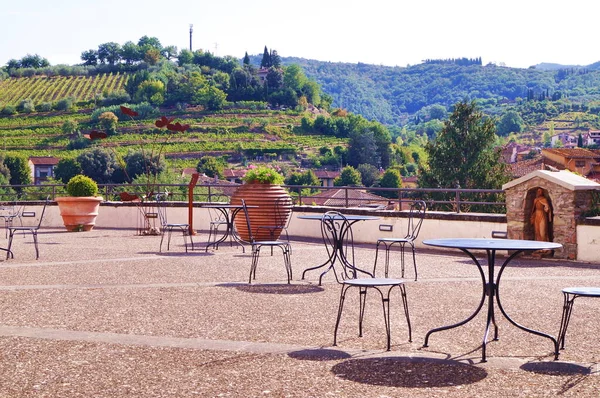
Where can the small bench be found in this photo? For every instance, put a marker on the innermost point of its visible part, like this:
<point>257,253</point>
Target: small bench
<point>570,294</point>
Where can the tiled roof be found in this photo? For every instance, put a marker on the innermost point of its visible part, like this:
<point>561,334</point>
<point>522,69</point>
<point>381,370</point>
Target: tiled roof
<point>524,167</point>
<point>337,198</point>
<point>573,152</point>
<point>233,173</point>
<point>44,160</point>
<point>326,173</point>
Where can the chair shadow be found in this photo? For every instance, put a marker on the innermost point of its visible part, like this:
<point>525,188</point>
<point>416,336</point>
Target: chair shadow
<point>556,368</point>
<point>319,354</point>
<point>273,288</point>
<point>409,372</point>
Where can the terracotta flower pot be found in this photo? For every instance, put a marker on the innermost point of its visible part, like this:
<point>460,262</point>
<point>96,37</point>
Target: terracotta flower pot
<point>274,207</point>
<point>79,213</point>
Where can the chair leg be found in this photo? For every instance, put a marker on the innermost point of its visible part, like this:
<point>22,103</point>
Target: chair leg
<point>10,239</point>
<point>362,302</point>
<point>385,301</point>
<point>162,236</point>
<point>340,308</point>
<point>191,240</point>
<point>287,261</point>
<point>405,304</point>
<point>35,243</point>
<point>255,254</point>
<point>376,255</point>
<point>414,259</point>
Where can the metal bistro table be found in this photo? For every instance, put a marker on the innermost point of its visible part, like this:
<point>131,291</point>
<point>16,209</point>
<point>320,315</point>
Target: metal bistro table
<point>229,212</point>
<point>338,251</point>
<point>491,287</point>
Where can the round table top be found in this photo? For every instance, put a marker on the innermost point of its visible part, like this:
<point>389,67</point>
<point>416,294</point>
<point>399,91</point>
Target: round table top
<point>583,291</point>
<point>492,244</point>
<point>349,217</point>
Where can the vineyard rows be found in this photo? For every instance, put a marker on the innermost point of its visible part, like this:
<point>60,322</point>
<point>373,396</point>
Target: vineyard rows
<point>51,89</point>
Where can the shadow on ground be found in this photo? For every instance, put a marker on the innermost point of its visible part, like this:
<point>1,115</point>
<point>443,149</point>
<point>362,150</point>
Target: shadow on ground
<point>408,372</point>
<point>319,354</point>
<point>274,288</point>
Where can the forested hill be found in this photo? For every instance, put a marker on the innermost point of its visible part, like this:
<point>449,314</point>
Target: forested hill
<point>391,94</point>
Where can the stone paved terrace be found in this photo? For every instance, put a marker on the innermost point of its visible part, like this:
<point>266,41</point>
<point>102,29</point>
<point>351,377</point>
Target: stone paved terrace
<point>103,314</point>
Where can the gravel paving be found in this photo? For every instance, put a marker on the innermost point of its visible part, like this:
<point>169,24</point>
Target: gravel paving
<point>104,314</point>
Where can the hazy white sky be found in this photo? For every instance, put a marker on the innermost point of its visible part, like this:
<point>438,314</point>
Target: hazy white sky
<point>518,33</point>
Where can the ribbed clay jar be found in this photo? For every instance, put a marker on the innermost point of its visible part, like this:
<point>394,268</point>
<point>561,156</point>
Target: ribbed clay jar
<point>274,207</point>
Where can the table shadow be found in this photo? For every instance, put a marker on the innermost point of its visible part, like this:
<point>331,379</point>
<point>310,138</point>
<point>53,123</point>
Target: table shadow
<point>409,372</point>
<point>274,288</point>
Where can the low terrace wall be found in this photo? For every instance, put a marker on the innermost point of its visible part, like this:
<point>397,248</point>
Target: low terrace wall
<point>436,225</point>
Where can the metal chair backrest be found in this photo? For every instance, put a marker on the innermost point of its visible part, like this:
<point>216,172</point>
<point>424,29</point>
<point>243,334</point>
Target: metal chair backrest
<point>32,214</point>
<point>245,209</point>
<point>161,207</point>
<point>282,217</point>
<point>415,219</point>
<point>339,241</point>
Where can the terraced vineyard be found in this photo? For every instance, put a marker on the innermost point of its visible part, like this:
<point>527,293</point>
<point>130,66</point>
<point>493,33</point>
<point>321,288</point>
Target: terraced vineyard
<point>49,89</point>
<point>253,133</point>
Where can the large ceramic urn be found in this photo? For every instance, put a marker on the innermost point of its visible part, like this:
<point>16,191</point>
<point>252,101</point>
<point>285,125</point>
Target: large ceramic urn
<point>79,212</point>
<point>273,209</point>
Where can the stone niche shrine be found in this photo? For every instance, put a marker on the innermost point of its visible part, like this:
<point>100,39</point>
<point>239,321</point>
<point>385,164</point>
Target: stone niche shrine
<point>569,196</point>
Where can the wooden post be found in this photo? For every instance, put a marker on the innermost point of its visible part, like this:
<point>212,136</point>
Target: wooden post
<point>191,186</point>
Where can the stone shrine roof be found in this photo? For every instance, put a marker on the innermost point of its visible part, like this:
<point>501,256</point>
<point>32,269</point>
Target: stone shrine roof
<point>564,178</point>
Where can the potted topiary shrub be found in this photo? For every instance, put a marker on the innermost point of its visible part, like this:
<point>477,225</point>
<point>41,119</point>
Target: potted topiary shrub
<point>80,209</point>
<point>262,188</point>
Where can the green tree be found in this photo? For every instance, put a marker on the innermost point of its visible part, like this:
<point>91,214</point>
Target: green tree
<point>90,57</point>
<point>152,91</point>
<point>210,166</point>
<point>510,122</point>
<point>463,154</point>
<point>140,163</point>
<point>130,53</point>
<point>70,126</point>
<point>306,178</point>
<point>185,57</point>
<point>266,59</point>
<point>19,169</point>
<point>391,178</point>
<point>109,53</point>
<point>108,121</point>
<point>66,169</point>
<point>98,164</point>
<point>369,174</point>
<point>349,177</point>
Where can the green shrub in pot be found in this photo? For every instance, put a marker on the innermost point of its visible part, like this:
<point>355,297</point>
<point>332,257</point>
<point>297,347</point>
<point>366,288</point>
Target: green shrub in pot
<point>81,185</point>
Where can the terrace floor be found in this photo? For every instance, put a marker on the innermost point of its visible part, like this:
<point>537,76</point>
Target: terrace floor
<point>104,314</point>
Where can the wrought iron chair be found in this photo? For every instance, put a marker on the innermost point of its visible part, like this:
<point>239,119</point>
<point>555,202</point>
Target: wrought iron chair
<point>415,220</point>
<point>217,219</point>
<point>167,227</point>
<point>257,245</point>
<point>31,226</point>
<point>338,238</point>
<point>9,212</point>
<point>570,294</point>
<point>282,220</point>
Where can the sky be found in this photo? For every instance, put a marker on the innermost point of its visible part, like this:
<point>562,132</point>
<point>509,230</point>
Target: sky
<point>514,33</point>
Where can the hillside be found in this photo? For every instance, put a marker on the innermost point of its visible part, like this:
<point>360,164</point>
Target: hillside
<point>392,95</point>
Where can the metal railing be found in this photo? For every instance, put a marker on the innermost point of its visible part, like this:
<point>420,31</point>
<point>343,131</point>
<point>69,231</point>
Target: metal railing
<point>444,199</point>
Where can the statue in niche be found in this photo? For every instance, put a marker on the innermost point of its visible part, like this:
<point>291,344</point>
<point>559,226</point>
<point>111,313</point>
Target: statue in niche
<point>541,216</point>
